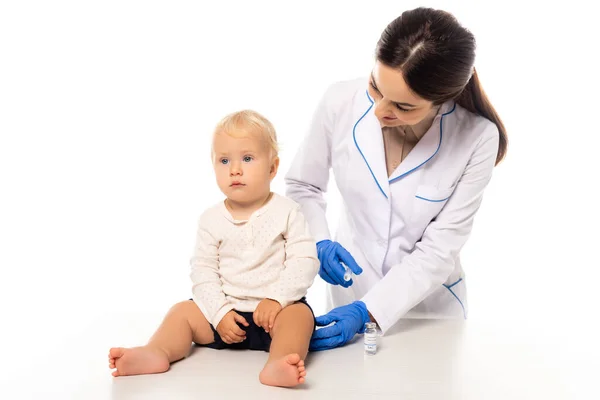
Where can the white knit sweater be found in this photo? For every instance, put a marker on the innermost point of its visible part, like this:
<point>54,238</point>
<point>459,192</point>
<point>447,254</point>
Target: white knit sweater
<point>236,264</point>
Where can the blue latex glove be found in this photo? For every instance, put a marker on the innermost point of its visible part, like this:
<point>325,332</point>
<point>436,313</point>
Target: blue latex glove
<point>331,254</point>
<point>349,320</point>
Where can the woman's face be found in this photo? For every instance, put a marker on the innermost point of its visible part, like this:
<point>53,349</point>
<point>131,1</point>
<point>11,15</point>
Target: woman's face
<point>395,103</point>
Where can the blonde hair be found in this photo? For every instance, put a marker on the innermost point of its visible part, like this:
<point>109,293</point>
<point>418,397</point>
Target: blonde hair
<point>246,123</point>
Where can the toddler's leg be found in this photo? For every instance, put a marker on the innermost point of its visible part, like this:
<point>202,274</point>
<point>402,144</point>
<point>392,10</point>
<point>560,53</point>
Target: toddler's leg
<point>291,335</point>
<point>171,342</point>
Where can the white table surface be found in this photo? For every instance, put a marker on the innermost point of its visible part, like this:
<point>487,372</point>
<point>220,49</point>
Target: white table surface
<point>418,359</point>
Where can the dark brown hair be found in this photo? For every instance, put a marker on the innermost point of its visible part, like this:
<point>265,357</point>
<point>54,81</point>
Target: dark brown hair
<point>436,56</point>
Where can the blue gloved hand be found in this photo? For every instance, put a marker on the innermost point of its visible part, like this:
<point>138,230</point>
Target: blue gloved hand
<point>331,254</point>
<point>349,320</point>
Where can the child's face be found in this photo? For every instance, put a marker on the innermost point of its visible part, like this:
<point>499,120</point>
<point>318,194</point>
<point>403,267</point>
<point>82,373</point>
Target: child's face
<point>244,167</point>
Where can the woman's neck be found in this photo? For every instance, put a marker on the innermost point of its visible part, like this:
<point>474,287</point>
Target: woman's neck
<point>420,128</point>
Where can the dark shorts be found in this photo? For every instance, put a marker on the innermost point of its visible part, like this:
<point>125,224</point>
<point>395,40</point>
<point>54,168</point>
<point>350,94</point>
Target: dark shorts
<point>256,337</point>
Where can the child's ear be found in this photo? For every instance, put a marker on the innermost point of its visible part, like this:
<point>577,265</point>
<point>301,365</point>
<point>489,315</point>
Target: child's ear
<point>274,167</point>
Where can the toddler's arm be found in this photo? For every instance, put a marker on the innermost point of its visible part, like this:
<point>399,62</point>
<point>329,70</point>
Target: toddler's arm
<point>301,263</point>
<point>206,283</point>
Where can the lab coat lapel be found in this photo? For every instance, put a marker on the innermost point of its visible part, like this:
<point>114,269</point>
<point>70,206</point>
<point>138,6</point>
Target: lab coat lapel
<point>368,140</point>
<point>426,148</point>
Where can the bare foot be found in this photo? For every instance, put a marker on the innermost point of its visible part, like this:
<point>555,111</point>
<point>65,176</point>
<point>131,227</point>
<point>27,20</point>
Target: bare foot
<point>137,360</point>
<point>288,371</point>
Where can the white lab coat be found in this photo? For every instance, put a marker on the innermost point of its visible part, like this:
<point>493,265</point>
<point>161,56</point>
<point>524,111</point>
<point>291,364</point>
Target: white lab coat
<point>405,231</point>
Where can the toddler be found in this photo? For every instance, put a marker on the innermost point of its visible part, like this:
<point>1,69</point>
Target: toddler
<point>253,263</point>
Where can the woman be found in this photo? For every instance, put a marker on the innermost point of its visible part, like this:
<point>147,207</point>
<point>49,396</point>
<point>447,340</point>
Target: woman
<point>412,148</point>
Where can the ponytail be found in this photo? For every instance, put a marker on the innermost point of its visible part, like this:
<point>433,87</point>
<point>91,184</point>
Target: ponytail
<point>474,99</point>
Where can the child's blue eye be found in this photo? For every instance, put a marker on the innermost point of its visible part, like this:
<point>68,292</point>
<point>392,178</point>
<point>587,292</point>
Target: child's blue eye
<point>247,159</point>
<point>224,161</point>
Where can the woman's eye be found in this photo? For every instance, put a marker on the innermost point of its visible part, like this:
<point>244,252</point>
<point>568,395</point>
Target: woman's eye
<point>374,87</point>
<point>402,108</point>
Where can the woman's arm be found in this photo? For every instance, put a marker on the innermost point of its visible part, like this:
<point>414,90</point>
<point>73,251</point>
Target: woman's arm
<point>308,176</point>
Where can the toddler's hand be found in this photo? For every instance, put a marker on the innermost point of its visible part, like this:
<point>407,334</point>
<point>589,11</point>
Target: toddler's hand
<point>265,313</point>
<point>229,330</point>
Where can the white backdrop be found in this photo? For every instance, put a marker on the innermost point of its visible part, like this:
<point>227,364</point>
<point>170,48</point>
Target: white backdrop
<point>106,110</point>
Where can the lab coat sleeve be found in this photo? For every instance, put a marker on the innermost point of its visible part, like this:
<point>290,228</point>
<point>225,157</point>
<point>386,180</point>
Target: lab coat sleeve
<point>301,263</point>
<point>432,261</point>
<point>206,283</point>
<point>308,176</point>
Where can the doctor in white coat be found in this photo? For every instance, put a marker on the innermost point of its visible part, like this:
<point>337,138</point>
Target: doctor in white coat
<point>412,148</point>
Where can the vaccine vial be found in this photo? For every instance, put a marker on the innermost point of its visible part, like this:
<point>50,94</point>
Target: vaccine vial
<point>347,273</point>
<point>370,338</point>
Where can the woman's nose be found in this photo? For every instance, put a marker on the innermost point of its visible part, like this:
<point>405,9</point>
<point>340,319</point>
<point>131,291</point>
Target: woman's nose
<point>381,108</point>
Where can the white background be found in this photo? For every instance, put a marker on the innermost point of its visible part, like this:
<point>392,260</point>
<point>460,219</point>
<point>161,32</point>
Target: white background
<point>106,112</point>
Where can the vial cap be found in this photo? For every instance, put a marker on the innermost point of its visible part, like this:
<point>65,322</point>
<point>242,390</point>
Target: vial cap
<point>370,325</point>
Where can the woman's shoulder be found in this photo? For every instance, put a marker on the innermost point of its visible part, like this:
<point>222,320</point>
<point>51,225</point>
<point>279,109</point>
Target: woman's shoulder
<point>344,92</point>
<point>473,134</point>
<point>474,125</point>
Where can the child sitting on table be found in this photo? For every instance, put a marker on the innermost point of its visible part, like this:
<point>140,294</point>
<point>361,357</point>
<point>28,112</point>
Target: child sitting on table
<point>253,263</point>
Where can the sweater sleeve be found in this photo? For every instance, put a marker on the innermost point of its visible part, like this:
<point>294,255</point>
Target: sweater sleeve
<point>301,263</point>
<point>206,283</point>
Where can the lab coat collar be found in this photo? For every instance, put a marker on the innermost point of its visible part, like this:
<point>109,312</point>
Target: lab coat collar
<point>368,139</point>
<point>427,147</point>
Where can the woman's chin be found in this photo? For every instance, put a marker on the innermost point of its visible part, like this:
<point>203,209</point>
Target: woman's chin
<point>390,123</point>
